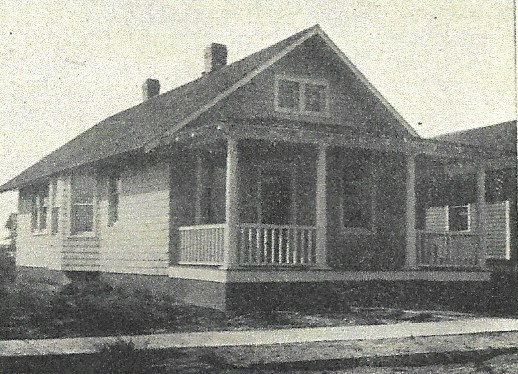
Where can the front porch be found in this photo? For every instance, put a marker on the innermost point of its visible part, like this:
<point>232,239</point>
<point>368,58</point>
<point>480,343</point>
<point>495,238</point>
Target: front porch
<point>270,203</point>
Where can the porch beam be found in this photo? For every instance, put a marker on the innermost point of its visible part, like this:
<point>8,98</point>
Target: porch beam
<point>481,214</point>
<point>231,205</point>
<point>321,208</point>
<point>276,132</point>
<point>410,214</point>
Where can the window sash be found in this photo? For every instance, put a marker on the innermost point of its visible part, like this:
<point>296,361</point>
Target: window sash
<point>82,219</point>
<point>315,98</point>
<point>82,209</point>
<point>459,218</point>
<point>113,199</point>
<point>357,199</point>
<point>40,203</point>
<point>310,96</point>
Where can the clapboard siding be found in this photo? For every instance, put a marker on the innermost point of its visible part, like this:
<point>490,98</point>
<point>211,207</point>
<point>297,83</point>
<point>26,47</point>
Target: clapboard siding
<point>138,243</point>
<point>35,250</point>
<point>436,219</point>
<point>496,223</point>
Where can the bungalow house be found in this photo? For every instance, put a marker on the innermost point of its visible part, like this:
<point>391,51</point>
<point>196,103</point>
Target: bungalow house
<point>274,179</point>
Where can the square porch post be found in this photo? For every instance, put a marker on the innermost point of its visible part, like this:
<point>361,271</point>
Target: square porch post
<point>410,215</point>
<point>481,214</point>
<point>231,205</point>
<point>321,208</point>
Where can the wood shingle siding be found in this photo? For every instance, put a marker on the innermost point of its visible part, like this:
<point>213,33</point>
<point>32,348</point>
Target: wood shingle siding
<point>498,230</point>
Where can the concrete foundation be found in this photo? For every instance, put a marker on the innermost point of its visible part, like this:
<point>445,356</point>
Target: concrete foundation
<point>496,295</point>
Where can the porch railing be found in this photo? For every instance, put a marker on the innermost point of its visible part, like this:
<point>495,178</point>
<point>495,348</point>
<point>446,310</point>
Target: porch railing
<point>202,244</point>
<point>448,249</point>
<point>272,245</point>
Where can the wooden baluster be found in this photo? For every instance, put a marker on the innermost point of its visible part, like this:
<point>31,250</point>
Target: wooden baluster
<point>186,247</point>
<point>310,246</point>
<point>303,252</point>
<point>281,244</point>
<point>251,244</point>
<point>296,246</point>
<point>265,245</point>
<point>197,245</point>
<point>188,244</point>
<point>204,247</point>
<point>258,244</point>
<point>241,246</point>
<point>222,244</point>
<point>273,246</point>
<point>207,248</point>
<point>288,245</point>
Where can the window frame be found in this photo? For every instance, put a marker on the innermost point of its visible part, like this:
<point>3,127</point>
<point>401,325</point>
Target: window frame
<point>71,204</point>
<point>37,206</point>
<point>468,216</point>
<point>56,187</point>
<point>303,82</point>
<point>113,210</point>
<point>371,181</point>
<point>265,169</point>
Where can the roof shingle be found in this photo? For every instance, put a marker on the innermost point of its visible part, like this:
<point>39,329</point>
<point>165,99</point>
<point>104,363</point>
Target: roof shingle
<point>135,127</point>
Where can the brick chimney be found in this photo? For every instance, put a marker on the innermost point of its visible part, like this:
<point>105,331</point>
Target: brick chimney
<point>150,88</point>
<point>215,57</point>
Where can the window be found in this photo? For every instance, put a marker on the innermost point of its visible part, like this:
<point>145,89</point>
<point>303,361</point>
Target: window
<point>356,199</point>
<point>459,218</point>
<point>315,98</point>
<point>56,204</point>
<point>113,198</point>
<point>82,211</point>
<point>40,201</point>
<point>301,95</point>
<point>213,197</point>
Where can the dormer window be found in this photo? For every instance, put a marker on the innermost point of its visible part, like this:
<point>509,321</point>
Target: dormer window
<point>301,95</point>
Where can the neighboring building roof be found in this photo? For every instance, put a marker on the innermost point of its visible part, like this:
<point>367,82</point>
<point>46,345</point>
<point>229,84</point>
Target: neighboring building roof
<point>145,125</point>
<point>499,137</point>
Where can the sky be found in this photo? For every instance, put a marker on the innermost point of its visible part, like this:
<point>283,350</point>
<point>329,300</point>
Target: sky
<point>66,65</point>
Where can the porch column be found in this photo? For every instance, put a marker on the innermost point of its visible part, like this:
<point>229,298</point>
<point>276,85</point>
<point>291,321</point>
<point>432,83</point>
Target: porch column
<point>321,208</point>
<point>410,216</point>
<point>481,213</point>
<point>200,180</point>
<point>231,205</point>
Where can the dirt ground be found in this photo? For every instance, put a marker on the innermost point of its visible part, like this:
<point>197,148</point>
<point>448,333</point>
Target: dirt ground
<point>507,364</point>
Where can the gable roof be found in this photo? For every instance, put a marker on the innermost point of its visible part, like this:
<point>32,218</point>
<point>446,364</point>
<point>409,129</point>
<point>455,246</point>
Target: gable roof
<point>500,137</point>
<point>148,124</point>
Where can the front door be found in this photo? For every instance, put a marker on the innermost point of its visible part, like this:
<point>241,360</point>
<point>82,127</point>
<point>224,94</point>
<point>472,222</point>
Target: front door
<point>276,197</point>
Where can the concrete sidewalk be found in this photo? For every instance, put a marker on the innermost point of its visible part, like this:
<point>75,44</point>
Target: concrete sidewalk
<point>44,347</point>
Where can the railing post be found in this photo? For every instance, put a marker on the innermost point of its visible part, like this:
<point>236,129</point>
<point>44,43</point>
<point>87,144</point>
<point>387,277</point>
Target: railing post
<point>321,208</point>
<point>481,215</point>
<point>231,205</point>
<point>410,216</point>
